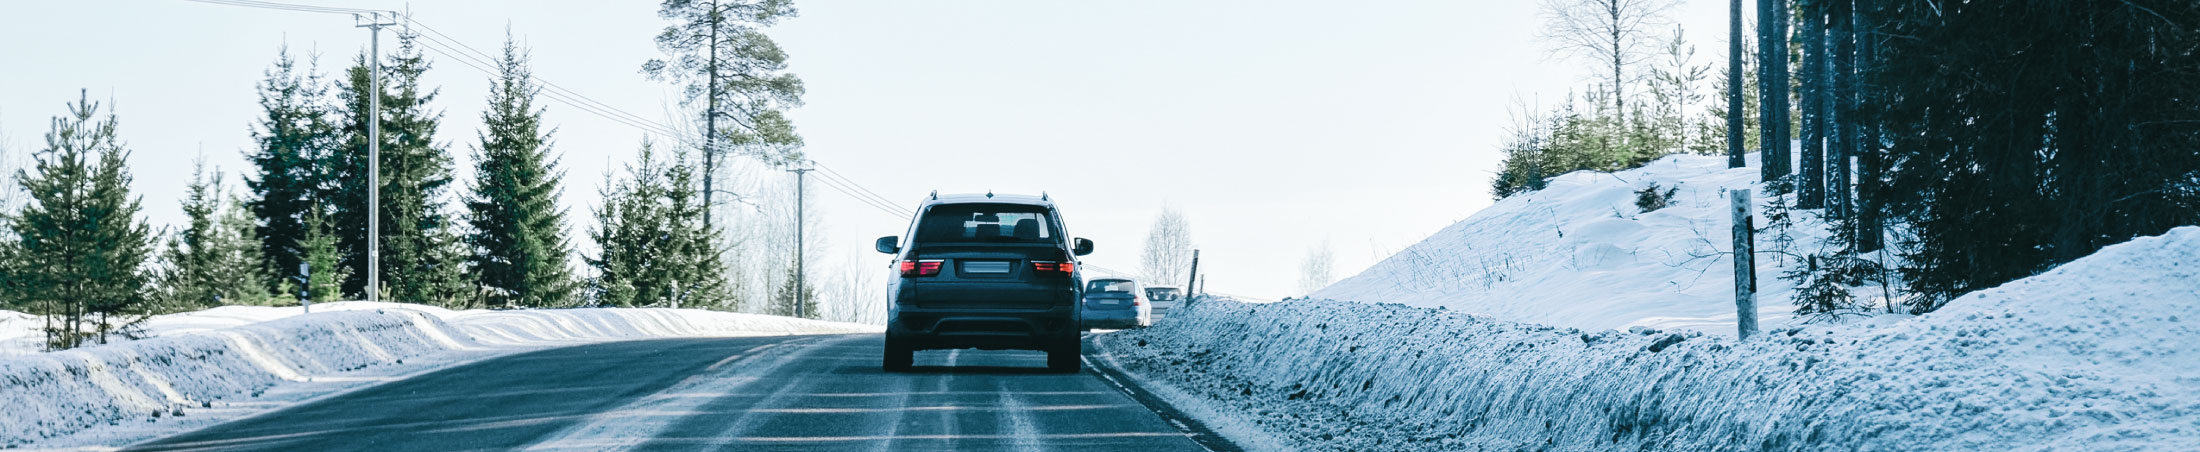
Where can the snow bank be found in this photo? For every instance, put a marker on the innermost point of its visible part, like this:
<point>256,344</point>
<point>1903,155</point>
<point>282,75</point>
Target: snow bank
<point>2095,355</point>
<point>1580,254</point>
<point>215,357</point>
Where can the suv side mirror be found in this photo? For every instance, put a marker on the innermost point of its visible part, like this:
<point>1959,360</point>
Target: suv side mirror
<point>888,244</point>
<point>1082,247</point>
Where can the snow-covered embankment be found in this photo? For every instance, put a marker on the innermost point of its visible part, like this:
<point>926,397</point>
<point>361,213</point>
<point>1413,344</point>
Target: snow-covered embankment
<point>223,372</point>
<point>2097,354</point>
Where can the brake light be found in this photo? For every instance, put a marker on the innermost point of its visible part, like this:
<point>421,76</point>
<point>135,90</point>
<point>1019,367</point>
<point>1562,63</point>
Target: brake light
<point>928,267</point>
<point>1054,267</point>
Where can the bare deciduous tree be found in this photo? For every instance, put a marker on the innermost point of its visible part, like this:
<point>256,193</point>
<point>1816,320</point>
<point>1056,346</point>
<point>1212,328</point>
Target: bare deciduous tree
<point>1168,254</point>
<point>1611,33</point>
<point>1317,271</point>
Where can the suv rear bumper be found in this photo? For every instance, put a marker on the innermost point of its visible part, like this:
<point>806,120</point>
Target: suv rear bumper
<point>990,329</point>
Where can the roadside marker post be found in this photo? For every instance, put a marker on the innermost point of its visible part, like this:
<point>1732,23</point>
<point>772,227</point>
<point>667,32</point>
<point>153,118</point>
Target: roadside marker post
<point>1745,265</point>
<point>305,288</point>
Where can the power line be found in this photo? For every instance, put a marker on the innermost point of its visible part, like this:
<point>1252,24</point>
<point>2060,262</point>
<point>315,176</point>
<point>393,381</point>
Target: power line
<point>292,7</point>
<point>830,172</point>
<point>444,44</point>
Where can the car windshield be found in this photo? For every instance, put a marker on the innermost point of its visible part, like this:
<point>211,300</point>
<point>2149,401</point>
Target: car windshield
<point>1161,294</point>
<point>1111,285</point>
<point>1012,223</point>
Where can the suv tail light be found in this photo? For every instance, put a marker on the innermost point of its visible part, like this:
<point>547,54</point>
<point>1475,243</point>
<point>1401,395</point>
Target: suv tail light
<point>1064,268</point>
<point>927,267</point>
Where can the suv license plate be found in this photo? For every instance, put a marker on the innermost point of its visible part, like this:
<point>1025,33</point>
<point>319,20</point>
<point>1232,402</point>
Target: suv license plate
<point>985,267</point>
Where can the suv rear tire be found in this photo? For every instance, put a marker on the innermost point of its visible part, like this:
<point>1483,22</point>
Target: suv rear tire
<point>1066,358</point>
<point>898,357</point>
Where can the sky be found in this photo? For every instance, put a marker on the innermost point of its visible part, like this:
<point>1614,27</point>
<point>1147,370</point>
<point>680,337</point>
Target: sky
<point>1275,126</point>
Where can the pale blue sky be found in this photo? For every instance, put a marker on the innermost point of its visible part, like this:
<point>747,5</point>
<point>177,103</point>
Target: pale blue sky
<point>1274,125</point>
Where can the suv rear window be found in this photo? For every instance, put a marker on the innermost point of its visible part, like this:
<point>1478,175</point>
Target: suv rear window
<point>991,223</point>
<point>1110,285</point>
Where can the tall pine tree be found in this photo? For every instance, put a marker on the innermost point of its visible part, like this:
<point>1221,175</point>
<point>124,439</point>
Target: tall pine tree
<point>213,261</point>
<point>294,137</point>
<point>80,247</point>
<point>420,259</point>
<point>518,235</point>
<point>718,52</point>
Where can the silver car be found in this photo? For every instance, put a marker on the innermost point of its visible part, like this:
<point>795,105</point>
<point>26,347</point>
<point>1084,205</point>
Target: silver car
<point>1114,303</point>
<point>1164,298</point>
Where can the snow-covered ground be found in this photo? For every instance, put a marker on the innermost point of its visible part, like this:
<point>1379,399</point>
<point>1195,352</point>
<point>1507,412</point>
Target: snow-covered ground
<point>209,366</point>
<point>2097,354</point>
<point>1580,254</point>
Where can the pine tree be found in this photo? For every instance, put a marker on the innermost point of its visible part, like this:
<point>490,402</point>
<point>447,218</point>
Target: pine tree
<point>695,270</point>
<point>213,261</point>
<point>318,249</point>
<point>294,137</point>
<point>784,298</point>
<point>722,59</point>
<point>80,247</point>
<point>518,234</point>
<point>420,259</point>
<point>653,247</point>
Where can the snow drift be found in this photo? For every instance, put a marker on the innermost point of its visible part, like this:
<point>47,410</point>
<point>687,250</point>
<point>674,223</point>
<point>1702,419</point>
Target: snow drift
<point>2096,354</point>
<point>211,357</point>
<point>1580,254</point>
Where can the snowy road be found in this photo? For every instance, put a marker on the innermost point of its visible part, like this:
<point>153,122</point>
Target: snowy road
<point>756,393</point>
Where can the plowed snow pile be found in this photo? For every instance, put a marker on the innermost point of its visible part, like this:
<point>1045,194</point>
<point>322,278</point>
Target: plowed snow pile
<point>2098,354</point>
<point>1580,254</point>
<point>231,362</point>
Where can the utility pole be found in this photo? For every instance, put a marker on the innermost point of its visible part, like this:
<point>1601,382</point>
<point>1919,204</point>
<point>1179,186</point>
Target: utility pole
<point>801,280</point>
<point>374,152</point>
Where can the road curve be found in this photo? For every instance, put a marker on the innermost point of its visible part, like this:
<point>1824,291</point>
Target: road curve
<point>758,393</point>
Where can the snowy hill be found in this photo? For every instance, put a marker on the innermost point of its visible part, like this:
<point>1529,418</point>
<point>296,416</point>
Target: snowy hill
<point>2096,354</point>
<point>1580,254</point>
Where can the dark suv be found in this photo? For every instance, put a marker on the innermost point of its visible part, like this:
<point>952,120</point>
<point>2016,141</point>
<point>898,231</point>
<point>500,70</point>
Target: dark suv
<point>994,272</point>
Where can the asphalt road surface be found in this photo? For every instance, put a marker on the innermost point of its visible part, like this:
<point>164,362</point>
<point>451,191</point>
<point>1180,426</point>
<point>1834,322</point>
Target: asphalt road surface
<point>763,393</point>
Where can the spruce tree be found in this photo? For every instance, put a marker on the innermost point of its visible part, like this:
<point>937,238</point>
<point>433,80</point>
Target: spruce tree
<point>518,236</point>
<point>783,300</point>
<point>213,261</point>
<point>653,247</point>
<point>696,269</point>
<point>627,235</point>
<point>318,250</point>
<point>80,247</point>
<point>294,137</point>
<point>420,261</point>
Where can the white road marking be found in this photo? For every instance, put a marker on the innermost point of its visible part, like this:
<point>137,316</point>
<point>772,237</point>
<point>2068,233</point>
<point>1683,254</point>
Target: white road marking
<point>647,417</point>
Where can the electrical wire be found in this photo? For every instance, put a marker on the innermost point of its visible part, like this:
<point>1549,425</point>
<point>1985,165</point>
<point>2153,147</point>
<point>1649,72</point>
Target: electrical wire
<point>444,44</point>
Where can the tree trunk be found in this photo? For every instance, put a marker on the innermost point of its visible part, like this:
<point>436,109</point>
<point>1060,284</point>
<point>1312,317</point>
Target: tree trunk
<point>1842,141</point>
<point>1734,87</point>
<point>1619,62</point>
<point>1773,96</point>
<point>1870,235</point>
<point>1811,190</point>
